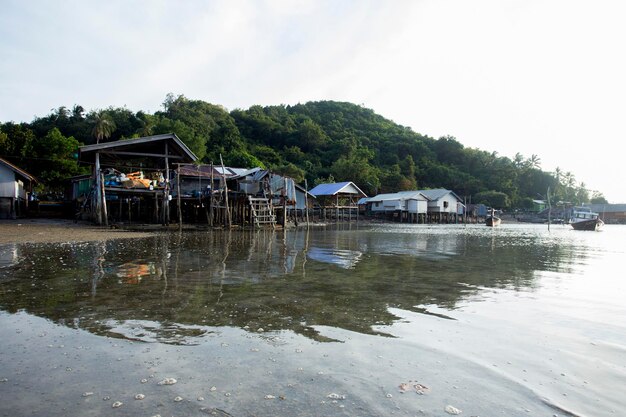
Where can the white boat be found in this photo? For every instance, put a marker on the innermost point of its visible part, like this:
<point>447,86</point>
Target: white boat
<point>492,220</point>
<point>583,218</point>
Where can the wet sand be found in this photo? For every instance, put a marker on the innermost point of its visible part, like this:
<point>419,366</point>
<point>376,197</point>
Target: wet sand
<point>59,230</point>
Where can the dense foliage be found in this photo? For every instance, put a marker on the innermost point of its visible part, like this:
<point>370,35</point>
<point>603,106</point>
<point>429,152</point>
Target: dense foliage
<point>317,141</point>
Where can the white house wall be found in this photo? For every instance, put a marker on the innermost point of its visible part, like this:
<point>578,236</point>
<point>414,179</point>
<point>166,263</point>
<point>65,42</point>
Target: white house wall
<point>417,206</point>
<point>7,182</point>
<point>439,205</point>
<point>387,205</point>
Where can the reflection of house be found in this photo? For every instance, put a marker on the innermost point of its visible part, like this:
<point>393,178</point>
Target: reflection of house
<point>338,199</point>
<point>343,258</point>
<point>9,255</point>
<point>411,206</point>
<point>16,185</point>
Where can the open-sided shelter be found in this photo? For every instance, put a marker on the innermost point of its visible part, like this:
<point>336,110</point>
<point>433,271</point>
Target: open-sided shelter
<point>137,172</point>
<point>338,198</point>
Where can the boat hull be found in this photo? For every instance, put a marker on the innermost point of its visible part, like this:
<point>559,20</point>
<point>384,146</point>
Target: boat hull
<point>588,225</point>
<point>493,221</point>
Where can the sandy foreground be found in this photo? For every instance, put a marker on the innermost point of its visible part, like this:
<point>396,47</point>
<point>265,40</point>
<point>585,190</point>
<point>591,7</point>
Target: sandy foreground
<point>59,230</point>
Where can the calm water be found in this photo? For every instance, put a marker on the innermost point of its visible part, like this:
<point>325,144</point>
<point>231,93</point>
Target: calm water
<point>514,321</point>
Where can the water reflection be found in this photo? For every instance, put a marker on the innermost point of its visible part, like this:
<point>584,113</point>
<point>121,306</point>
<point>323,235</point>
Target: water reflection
<point>174,287</point>
<point>8,255</point>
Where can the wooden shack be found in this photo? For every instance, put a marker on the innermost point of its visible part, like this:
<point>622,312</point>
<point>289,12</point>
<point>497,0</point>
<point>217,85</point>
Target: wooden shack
<point>16,186</point>
<point>132,178</point>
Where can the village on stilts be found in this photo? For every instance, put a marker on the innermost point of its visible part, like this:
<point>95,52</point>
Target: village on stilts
<point>156,180</point>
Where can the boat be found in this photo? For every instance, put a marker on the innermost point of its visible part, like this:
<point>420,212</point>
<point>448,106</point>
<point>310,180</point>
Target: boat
<point>492,220</point>
<point>584,219</point>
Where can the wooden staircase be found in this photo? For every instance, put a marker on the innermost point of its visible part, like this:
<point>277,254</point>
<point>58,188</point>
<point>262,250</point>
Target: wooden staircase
<point>261,211</point>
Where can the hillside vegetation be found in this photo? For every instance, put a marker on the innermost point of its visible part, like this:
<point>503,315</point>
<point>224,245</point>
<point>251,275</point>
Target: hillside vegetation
<point>323,141</point>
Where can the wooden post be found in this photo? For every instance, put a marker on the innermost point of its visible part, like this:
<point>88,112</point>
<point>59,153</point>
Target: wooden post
<point>166,194</point>
<point>98,211</point>
<point>227,217</point>
<point>211,214</point>
<point>306,201</point>
<point>180,210</point>
<point>284,202</point>
<point>105,214</point>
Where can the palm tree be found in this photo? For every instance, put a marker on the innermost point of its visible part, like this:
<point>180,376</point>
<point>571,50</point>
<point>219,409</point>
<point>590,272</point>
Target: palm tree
<point>534,161</point>
<point>147,124</point>
<point>104,126</point>
<point>77,112</point>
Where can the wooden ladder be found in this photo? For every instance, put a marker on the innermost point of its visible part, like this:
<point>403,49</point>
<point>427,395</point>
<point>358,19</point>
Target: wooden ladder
<point>262,211</point>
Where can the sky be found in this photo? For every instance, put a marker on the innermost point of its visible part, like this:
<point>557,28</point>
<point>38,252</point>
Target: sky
<point>535,77</point>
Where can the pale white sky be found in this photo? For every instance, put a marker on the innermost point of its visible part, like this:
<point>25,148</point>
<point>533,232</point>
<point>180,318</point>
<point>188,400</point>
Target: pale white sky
<point>531,76</point>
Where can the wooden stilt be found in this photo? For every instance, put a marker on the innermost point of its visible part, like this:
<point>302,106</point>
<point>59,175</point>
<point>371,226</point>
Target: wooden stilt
<point>104,201</point>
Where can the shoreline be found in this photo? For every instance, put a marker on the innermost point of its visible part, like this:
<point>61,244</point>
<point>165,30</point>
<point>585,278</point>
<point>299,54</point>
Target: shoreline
<point>59,230</point>
<point>37,230</point>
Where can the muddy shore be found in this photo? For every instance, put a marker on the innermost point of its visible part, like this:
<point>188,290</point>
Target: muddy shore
<point>59,230</point>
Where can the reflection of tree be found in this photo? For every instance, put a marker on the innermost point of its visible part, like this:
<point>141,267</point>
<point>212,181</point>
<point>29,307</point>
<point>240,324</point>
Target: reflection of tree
<point>193,281</point>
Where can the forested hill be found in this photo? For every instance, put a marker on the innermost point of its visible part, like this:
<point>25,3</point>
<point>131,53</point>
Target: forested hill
<point>320,141</point>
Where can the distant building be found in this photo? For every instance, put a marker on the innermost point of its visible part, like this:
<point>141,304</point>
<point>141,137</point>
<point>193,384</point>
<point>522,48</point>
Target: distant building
<point>411,206</point>
<point>610,213</point>
<point>539,206</point>
<point>16,186</point>
<point>444,206</point>
<point>338,199</point>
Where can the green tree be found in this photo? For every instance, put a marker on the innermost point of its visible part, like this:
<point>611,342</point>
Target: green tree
<point>55,159</point>
<point>493,199</point>
<point>292,171</point>
<point>598,198</point>
<point>103,125</point>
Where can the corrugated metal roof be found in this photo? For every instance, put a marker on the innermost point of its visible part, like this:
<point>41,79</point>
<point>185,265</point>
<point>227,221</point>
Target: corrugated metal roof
<point>146,140</point>
<point>198,171</point>
<point>17,170</point>
<point>347,187</point>
<point>402,195</point>
<point>438,193</point>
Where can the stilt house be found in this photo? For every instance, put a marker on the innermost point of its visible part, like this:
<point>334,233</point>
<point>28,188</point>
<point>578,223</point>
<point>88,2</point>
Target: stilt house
<point>404,206</point>
<point>16,186</point>
<point>444,206</point>
<point>338,200</point>
<point>132,178</point>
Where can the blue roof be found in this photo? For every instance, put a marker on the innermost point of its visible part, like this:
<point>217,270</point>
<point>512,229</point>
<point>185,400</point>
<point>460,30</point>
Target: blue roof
<point>336,188</point>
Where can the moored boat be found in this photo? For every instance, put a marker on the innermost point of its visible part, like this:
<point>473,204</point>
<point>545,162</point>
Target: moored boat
<point>584,219</point>
<point>492,220</point>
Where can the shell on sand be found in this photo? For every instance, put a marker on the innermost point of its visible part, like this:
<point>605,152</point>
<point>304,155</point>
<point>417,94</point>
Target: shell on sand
<point>168,381</point>
<point>452,410</point>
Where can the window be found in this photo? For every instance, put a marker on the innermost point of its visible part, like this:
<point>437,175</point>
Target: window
<point>445,204</point>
